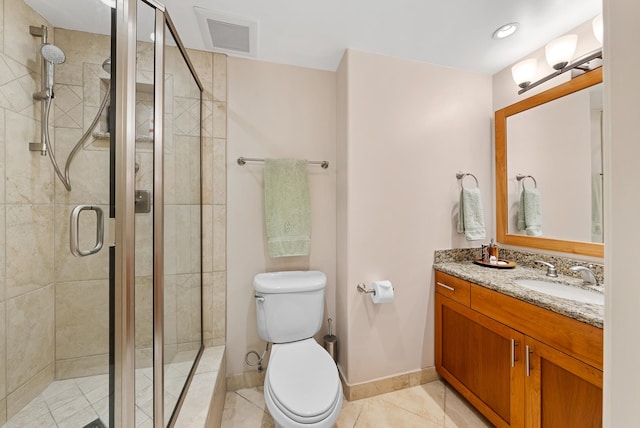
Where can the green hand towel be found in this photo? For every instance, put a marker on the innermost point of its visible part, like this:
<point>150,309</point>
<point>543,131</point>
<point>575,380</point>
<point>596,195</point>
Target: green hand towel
<point>471,215</point>
<point>530,212</point>
<point>287,207</point>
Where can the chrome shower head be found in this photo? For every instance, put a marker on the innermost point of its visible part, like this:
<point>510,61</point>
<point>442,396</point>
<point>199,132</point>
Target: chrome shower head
<point>52,53</point>
<point>106,65</point>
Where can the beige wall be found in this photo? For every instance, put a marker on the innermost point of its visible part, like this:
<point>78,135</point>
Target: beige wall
<point>622,151</point>
<point>407,127</point>
<point>401,121</point>
<point>26,219</point>
<point>275,111</point>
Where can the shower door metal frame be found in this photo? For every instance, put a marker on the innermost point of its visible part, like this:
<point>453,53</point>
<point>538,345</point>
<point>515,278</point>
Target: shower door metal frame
<point>124,311</point>
<point>158,207</point>
<point>158,221</point>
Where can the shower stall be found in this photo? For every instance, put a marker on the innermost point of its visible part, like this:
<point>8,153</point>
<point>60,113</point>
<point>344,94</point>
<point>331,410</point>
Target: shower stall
<point>103,209</point>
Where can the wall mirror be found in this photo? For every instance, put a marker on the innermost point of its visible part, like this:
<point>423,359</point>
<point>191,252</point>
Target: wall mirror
<point>554,137</point>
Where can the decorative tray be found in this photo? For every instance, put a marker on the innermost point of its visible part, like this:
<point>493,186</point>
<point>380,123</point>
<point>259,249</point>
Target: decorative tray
<point>502,264</point>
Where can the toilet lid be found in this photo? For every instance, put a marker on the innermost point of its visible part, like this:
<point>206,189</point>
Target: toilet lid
<point>303,380</point>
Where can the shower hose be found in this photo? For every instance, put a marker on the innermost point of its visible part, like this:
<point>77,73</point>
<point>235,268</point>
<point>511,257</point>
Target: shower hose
<point>64,178</point>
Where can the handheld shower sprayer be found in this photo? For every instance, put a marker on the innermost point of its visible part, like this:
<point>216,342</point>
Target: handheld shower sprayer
<point>52,56</point>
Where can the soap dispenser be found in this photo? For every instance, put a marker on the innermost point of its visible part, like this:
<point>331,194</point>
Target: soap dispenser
<point>493,251</point>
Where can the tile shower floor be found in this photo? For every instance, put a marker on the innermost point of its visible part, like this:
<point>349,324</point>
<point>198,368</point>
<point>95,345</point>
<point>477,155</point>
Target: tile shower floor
<point>74,403</point>
<point>433,405</point>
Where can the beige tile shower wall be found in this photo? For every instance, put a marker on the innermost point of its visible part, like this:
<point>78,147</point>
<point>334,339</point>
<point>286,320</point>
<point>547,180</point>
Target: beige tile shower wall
<point>26,218</point>
<point>38,276</point>
<point>82,283</point>
<point>212,71</point>
<point>185,215</point>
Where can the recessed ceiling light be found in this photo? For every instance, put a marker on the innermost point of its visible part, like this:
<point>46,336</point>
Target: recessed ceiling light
<point>506,30</point>
<point>110,3</point>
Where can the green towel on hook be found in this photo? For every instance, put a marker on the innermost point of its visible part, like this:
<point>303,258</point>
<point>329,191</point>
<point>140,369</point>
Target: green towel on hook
<point>287,207</point>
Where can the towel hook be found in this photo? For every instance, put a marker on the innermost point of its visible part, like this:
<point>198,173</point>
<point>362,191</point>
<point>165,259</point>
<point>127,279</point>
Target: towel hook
<point>461,175</point>
<point>521,177</point>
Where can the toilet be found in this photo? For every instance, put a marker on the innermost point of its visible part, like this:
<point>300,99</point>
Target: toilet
<point>302,387</point>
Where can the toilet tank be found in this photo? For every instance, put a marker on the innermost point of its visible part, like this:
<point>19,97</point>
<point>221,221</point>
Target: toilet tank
<point>289,305</point>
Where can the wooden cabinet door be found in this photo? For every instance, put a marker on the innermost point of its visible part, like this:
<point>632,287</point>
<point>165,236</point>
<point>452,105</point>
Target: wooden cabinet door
<point>483,359</point>
<point>561,392</point>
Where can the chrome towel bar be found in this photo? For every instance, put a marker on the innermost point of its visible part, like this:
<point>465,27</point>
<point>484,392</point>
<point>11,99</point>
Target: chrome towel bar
<point>242,161</point>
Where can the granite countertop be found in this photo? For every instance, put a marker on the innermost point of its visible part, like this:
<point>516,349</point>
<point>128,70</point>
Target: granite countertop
<point>502,281</point>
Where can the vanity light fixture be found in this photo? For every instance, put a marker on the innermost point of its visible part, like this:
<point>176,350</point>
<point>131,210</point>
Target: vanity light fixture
<point>579,64</point>
<point>524,71</point>
<point>598,28</point>
<point>559,54</point>
<point>506,30</point>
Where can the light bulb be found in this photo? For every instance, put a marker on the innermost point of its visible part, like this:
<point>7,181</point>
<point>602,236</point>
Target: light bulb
<point>598,28</point>
<point>524,71</point>
<point>559,52</point>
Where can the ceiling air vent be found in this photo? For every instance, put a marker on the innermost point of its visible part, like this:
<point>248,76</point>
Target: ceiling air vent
<point>224,33</point>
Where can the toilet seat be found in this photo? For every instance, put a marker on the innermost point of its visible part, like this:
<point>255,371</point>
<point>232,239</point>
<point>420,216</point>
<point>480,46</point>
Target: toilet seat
<point>302,381</point>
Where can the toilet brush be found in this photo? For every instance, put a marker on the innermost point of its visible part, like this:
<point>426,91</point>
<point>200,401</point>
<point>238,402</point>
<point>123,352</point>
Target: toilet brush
<point>331,342</point>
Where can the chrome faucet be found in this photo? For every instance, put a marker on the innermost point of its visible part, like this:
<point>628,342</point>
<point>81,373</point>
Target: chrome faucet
<point>588,277</point>
<point>551,268</point>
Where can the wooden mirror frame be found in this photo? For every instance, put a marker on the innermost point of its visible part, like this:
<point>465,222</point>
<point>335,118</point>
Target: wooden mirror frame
<point>503,236</point>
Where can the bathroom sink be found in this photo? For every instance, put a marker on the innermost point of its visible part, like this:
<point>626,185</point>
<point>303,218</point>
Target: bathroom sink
<point>563,291</point>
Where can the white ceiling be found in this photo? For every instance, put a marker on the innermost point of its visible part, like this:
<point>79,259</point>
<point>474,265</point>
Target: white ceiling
<point>454,33</point>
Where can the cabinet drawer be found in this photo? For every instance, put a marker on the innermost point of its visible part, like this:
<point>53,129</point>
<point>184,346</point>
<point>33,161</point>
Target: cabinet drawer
<point>454,288</point>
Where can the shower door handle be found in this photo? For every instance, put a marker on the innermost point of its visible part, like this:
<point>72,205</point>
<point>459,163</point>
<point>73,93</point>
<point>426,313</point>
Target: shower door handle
<point>75,230</point>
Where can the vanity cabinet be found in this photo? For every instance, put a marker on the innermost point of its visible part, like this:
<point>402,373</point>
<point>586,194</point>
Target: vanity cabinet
<point>518,364</point>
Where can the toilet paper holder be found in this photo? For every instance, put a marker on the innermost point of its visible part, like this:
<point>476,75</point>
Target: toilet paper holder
<point>362,288</point>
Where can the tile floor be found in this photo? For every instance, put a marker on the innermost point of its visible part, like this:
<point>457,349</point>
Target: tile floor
<point>67,403</point>
<point>74,403</point>
<point>433,405</point>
